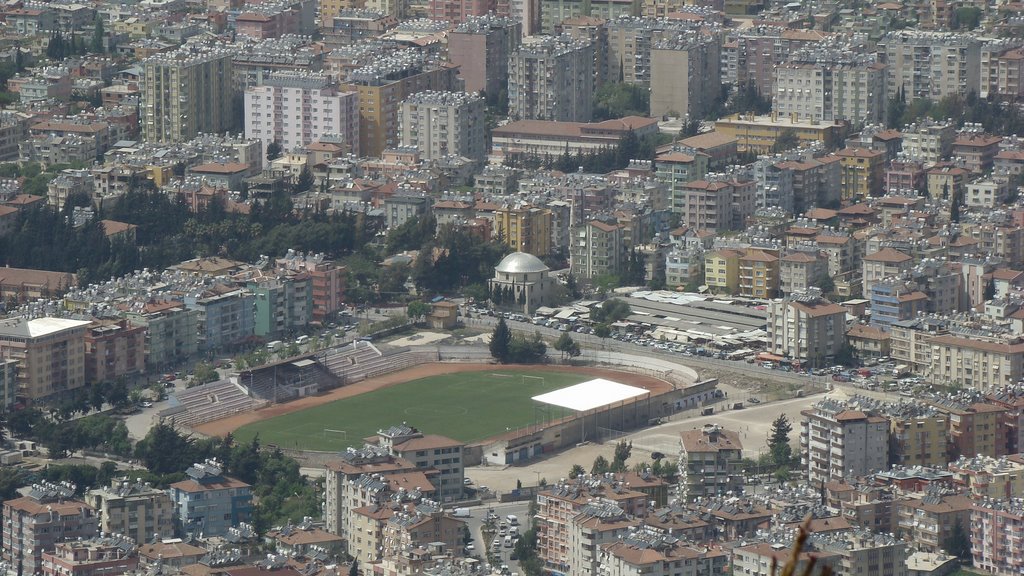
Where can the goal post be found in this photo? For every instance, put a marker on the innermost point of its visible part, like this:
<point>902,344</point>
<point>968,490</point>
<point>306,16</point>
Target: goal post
<point>330,431</point>
<point>525,377</point>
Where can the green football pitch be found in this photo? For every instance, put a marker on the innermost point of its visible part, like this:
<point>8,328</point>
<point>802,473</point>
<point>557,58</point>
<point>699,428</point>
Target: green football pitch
<point>466,406</point>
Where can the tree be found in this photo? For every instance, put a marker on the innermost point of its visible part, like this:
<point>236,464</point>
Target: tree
<point>305,181</point>
<point>417,309</point>
<point>501,339</point>
<point>602,330</point>
<point>787,140</point>
<point>954,209</point>
<point>778,441</point>
<point>203,373</point>
<point>623,451</point>
<point>782,475</point>
<point>959,542</point>
<point>600,465</point>
<point>98,33</point>
<point>844,356</point>
<point>567,346</point>
<point>273,151</point>
<point>354,569</point>
<point>576,471</point>
<point>611,310</point>
<point>990,290</point>
<point>826,284</point>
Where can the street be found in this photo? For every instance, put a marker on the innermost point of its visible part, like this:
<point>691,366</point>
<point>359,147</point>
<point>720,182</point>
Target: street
<point>476,522</point>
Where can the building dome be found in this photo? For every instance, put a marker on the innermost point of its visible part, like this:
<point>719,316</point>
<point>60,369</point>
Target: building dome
<point>520,263</point>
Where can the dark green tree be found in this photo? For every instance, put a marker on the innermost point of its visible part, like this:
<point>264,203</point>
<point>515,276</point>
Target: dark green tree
<point>622,451</point>
<point>611,310</point>
<point>417,310</point>
<point>567,346</point>
<point>778,441</point>
<point>958,543</point>
<point>600,465</point>
<point>96,45</point>
<point>305,180</point>
<point>954,209</point>
<point>990,290</point>
<point>273,151</point>
<point>787,140</point>
<point>354,569</point>
<point>501,340</point>
<point>576,471</point>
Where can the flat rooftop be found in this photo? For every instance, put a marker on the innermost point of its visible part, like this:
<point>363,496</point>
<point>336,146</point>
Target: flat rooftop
<point>38,327</point>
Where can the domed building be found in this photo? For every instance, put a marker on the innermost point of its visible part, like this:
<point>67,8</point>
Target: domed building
<point>521,282</point>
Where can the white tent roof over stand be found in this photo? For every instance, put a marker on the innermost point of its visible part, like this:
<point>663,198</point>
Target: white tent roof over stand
<point>590,395</point>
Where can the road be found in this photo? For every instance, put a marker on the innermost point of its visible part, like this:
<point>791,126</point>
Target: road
<point>476,523</point>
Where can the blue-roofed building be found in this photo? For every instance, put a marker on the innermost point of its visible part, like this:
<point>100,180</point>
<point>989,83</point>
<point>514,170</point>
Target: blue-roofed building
<point>209,503</point>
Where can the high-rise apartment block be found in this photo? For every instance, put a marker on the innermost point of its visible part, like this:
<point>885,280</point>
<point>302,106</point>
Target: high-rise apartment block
<point>383,85</point>
<point>50,353</point>
<point>630,41</point>
<point>458,11</point>
<point>439,124</point>
<point>685,75</point>
<point>838,442</point>
<point>931,64</point>
<point>294,109</point>
<point>186,92</point>
<point>481,48</point>
<point>806,327</point>
<point>554,12</point>
<point>551,78</point>
<point>524,228</point>
<point>829,85</point>
<point>133,508</point>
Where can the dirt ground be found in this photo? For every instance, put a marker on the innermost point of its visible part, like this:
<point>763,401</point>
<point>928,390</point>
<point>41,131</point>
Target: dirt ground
<point>225,425</point>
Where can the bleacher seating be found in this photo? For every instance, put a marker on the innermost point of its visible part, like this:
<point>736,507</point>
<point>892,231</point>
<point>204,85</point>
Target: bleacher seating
<point>210,402</point>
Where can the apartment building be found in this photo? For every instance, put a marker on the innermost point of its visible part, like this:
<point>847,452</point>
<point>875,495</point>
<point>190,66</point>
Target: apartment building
<point>709,462</point>
<point>722,270</point>
<point>171,331</point>
<point>685,75</point>
<point>481,48</point>
<point>297,108</point>
<point>838,442</point>
<point>862,173</point>
<point>895,300</point>
<point>50,353</point>
<point>551,78</point>
<point>356,477</point>
<point>930,64</point>
<point>976,361</point>
<point>422,528</point>
<point>598,523</point>
<point>381,87</point>
<point>714,204</point>
<point>863,552</point>
<point>977,150</point>
<point>929,521</point>
<point>996,528</point>
<point>806,327</point>
<point>677,168</point>
<point>928,141</point>
<point>801,269</point>
<point>111,555</point>
<point>440,124</point>
<point>227,316</point>
<point>985,477</point>
<point>918,434</point>
<point>306,540</point>
<point>827,85</point>
<point>860,504</point>
<point>36,522</point>
<point>186,92</point>
<point>1010,74</point>
<point>558,505</point>
<point>134,509</point>
<point>524,228</point>
<point>655,553</point>
<point>442,456</point>
<point>554,12</point>
<point>597,249</point>
<point>458,12</point>
<point>208,502</point>
<point>327,280</point>
<point>883,264</point>
<point>114,348</point>
<point>761,558</point>
<point>541,138</point>
<point>759,274</point>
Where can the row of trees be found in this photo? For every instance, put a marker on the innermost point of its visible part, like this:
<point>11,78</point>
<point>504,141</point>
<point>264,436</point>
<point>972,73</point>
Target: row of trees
<point>996,117</point>
<point>630,147</point>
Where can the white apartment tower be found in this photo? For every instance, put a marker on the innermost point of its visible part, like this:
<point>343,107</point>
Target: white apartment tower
<point>827,85</point>
<point>551,78</point>
<point>295,108</point>
<point>931,64</point>
<point>444,123</point>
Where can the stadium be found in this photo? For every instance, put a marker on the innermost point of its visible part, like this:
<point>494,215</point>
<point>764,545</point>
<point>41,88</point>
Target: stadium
<point>320,403</point>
